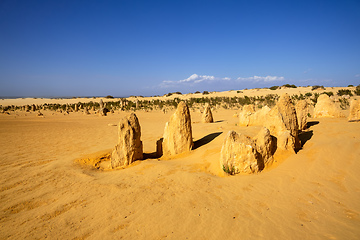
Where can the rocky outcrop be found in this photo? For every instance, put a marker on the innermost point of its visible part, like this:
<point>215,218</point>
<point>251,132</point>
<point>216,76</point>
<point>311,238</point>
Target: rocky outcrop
<point>241,154</point>
<point>302,114</point>
<point>178,133</point>
<point>86,111</point>
<point>129,147</point>
<point>249,117</point>
<point>103,110</point>
<point>207,116</point>
<point>281,119</point>
<point>238,154</point>
<point>260,116</point>
<point>325,107</point>
<point>354,111</point>
<point>245,115</point>
<point>265,145</point>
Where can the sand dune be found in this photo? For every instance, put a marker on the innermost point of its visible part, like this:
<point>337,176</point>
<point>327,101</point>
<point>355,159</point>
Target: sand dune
<point>46,193</point>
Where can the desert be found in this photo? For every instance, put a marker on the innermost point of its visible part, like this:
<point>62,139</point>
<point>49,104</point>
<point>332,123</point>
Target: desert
<point>58,180</point>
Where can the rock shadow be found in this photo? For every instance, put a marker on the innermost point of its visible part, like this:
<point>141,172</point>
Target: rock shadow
<point>312,123</point>
<point>218,121</point>
<point>305,136</point>
<point>152,155</point>
<point>205,140</point>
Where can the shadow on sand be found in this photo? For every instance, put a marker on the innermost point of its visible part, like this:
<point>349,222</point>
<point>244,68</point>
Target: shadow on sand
<point>152,155</point>
<point>206,140</point>
<point>312,123</point>
<point>305,136</point>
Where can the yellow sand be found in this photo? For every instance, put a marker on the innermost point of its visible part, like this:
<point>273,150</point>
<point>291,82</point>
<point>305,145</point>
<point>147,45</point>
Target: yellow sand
<point>46,193</point>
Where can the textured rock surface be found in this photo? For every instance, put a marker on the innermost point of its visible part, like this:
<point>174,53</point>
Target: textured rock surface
<point>101,103</point>
<point>249,117</point>
<point>103,110</point>
<point>354,110</point>
<point>246,114</point>
<point>260,116</point>
<point>129,147</point>
<point>86,111</point>
<point>265,145</point>
<point>302,114</point>
<point>239,155</point>
<point>207,116</point>
<point>178,133</point>
<point>283,118</point>
<point>326,108</point>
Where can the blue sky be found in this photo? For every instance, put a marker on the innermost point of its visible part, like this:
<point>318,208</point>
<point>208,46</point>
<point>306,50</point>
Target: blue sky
<point>122,48</point>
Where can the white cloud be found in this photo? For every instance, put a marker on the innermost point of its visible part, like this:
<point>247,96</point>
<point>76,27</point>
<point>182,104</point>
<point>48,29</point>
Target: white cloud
<point>262,79</point>
<point>196,79</point>
<point>357,75</point>
<point>193,79</point>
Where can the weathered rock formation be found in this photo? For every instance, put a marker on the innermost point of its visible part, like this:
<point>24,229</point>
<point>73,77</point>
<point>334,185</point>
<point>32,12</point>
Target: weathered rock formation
<point>207,116</point>
<point>129,147</point>
<point>354,111</point>
<point>103,110</point>
<point>249,117</point>
<point>101,103</point>
<point>86,111</point>
<point>265,145</point>
<point>245,115</point>
<point>178,134</point>
<point>326,108</point>
<point>302,114</point>
<point>282,122</point>
<point>259,117</point>
<point>238,154</point>
<point>241,154</point>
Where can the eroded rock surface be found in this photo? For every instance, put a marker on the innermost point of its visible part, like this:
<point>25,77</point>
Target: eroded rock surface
<point>238,154</point>
<point>245,115</point>
<point>249,117</point>
<point>178,133</point>
<point>302,114</point>
<point>265,145</point>
<point>207,116</point>
<point>241,154</point>
<point>129,147</point>
<point>281,119</point>
<point>325,107</point>
<point>354,111</point>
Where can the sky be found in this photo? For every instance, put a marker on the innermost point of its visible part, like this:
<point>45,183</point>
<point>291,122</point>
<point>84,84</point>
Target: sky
<point>123,48</point>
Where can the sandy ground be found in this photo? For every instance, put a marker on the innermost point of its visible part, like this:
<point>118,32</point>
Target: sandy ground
<point>46,193</point>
